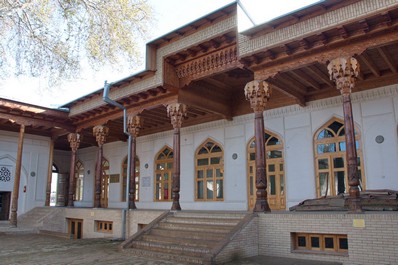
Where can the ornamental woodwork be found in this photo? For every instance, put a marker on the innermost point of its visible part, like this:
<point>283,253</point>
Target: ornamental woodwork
<point>212,62</point>
<point>134,124</point>
<point>343,71</point>
<point>176,112</point>
<point>74,141</point>
<point>258,92</point>
<point>100,132</point>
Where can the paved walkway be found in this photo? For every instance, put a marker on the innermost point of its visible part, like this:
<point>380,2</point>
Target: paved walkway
<point>32,249</point>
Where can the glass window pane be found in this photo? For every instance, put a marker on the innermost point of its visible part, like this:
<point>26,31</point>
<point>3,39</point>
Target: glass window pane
<point>161,156</point>
<point>203,162</point>
<point>252,156</point>
<point>342,146</point>
<point>323,179</point>
<point>251,169</point>
<point>326,148</point>
<point>343,243</point>
<point>329,242</point>
<point>219,186</point>
<point>215,160</point>
<point>281,167</point>
<point>166,191</point>
<point>202,151</point>
<point>200,174</point>
<point>170,165</point>
<point>160,166</point>
<point>272,185</point>
<point>170,155</point>
<point>166,151</point>
<point>158,189</point>
<point>251,189</point>
<point>218,173</point>
<point>273,141</point>
<point>210,189</point>
<point>315,242</point>
<point>325,134</point>
<point>301,241</point>
<point>338,162</point>
<point>323,164</point>
<point>356,144</point>
<point>271,168</point>
<point>339,182</point>
<point>282,183</point>
<point>216,149</point>
<point>209,173</point>
<point>253,144</point>
<point>335,126</point>
<point>200,189</point>
<point>274,154</point>
<point>166,176</point>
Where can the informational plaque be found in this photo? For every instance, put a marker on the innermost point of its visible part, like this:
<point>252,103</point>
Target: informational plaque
<point>114,178</point>
<point>146,182</point>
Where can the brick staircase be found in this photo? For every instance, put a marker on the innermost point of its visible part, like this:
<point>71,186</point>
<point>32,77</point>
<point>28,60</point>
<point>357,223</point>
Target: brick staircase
<point>187,237</point>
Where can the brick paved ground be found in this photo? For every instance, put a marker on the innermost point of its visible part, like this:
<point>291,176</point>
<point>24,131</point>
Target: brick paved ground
<point>32,249</point>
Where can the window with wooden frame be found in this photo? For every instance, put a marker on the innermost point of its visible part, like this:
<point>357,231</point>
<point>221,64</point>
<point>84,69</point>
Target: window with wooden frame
<point>330,159</point>
<point>104,183</point>
<point>275,172</point>
<point>137,179</point>
<point>209,179</point>
<point>163,174</point>
<point>104,226</point>
<point>310,242</point>
<point>79,177</point>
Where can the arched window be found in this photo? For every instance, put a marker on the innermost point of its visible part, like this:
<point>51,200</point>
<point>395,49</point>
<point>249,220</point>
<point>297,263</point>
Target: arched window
<point>137,179</point>
<point>330,159</point>
<point>79,175</point>
<point>209,179</point>
<point>274,172</point>
<point>104,183</point>
<point>163,173</point>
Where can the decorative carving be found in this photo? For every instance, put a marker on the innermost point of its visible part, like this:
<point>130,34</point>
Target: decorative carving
<point>134,124</point>
<point>100,132</point>
<point>5,174</point>
<point>209,62</point>
<point>343,71</point>
<point>176,112</point>
<point>74,141</point>
<point>258,92</point>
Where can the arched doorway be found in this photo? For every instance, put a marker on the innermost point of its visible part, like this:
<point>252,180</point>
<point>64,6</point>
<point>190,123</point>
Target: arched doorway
<point>275,172</point>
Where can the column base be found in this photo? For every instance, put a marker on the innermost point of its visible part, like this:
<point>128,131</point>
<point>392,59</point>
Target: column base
<point>261,206</point>
<point>176,206</point>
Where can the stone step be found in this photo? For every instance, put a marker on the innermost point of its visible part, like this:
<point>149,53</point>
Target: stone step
<point>182,241</point>
<point>171,248</point>
<point>210,214</point>
<point>188,234</point>
<point>195,227</point>
<point>209,221</point>
<point>161,256</point>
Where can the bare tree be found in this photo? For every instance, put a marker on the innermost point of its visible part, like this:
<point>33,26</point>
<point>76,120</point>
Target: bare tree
<point>52,37</point>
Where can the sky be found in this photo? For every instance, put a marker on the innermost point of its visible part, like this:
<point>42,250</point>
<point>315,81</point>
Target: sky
<point>168,15</point>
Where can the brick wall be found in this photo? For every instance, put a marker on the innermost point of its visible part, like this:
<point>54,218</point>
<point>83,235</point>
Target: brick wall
<point>375,243</point>
<point>140,217</point>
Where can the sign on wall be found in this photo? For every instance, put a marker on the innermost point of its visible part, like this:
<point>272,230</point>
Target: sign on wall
<point>5,173</point>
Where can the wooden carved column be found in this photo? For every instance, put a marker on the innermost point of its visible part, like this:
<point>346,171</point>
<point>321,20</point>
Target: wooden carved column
<point>49,173</point>
<point>134,124</point>
<point>258,93</point>
<point>344,71</point>
<point>74,141</point>
<point>100,132</point>
<point>176,112</point>
<point>18,165</point>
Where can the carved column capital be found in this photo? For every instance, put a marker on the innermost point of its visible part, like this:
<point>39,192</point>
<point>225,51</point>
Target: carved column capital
<point>100,132</point>
<point>74,141</point>
<point>258,93</point>
<point>134,124</point>
<point>343,71</point>
<point>176,112</point>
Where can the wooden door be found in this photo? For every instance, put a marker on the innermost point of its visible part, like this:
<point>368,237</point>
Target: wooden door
<point>104,184</point>
<point>75,228</point>
<point>275,184</point>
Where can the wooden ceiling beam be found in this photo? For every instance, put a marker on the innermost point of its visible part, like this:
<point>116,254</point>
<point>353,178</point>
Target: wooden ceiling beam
<point>387,58</point>
<point>304,78</point>
<point>298,97</point>
<point>369,63</point>
<point>211,104</point>
<point>319,74</point>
